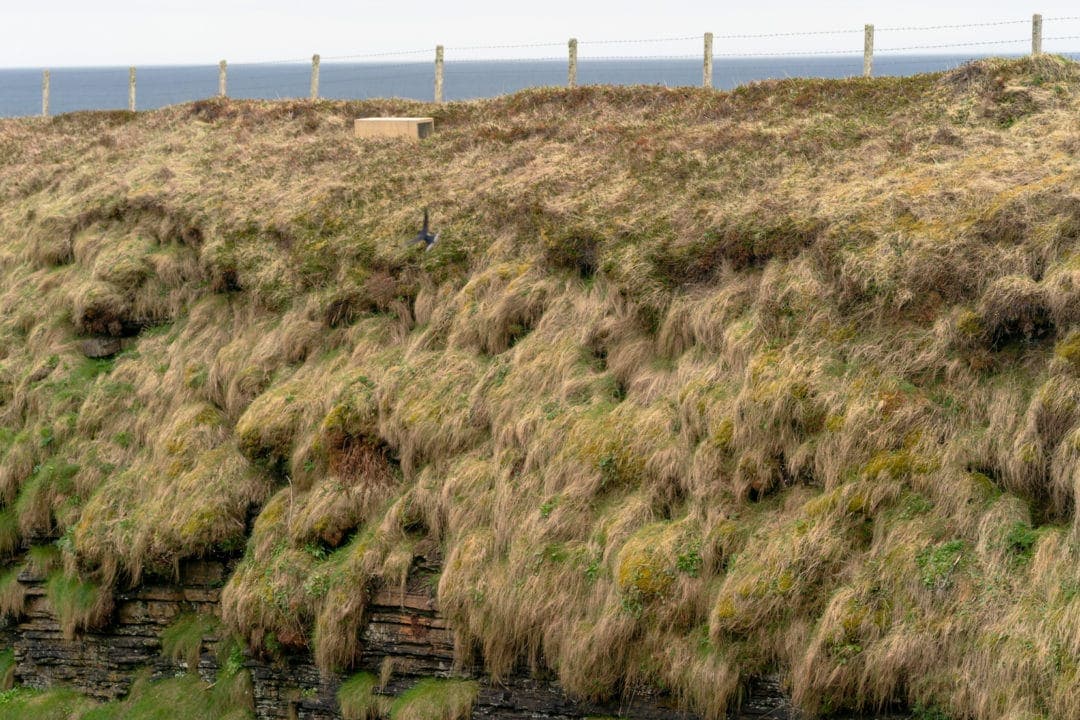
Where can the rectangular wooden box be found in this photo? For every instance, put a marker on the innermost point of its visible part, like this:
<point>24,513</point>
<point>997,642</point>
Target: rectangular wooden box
<point>413,128</point>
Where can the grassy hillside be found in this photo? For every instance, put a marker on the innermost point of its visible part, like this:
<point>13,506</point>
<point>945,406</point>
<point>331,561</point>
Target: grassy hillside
<point>696,385</point>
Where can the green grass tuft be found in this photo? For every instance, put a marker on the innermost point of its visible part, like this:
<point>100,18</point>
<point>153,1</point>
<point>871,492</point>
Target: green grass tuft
<point>432,699</point>
<point>7,669</point>
<point>356,697</point>
<point>183,639</point>
<point>78,604</point>
<point>182,697</point>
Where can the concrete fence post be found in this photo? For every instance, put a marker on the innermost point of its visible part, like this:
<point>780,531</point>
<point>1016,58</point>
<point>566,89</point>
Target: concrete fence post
<point>571,69</point>
<point>131,89</point>
<point>45,93</point>
<point>706,76</point>
<point>315,76</point>
<point>438,73</point>
<point>1036,34</point>
<point>222,79</point>
<point>868,51</point>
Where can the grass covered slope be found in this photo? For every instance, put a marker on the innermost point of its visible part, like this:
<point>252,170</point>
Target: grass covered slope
<point>696,385</point>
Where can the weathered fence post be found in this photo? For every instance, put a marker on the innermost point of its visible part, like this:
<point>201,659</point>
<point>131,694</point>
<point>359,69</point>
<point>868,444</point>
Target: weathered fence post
<point>45,94</point>
<point>706,76</point>
<point>868,51</point>
<point>315,76</point>
<point>571,69</point>
<point>1036,34</point>
<point>438,73</point>
<point>222,79</point>
<point>131,89</point>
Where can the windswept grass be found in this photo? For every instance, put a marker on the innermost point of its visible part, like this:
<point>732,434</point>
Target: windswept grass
<point>78,604</point>
<point>696,386</point>
<point>185,696</point>
<point>183,639</point>
<point>356,697</point>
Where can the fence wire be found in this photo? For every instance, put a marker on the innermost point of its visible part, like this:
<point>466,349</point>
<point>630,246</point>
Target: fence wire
<point>484,70</point>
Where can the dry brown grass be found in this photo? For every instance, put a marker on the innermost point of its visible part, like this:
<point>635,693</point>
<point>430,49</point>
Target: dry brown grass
<point>696,385</point>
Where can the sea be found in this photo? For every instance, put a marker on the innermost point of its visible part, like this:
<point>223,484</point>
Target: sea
<point>106,88</point>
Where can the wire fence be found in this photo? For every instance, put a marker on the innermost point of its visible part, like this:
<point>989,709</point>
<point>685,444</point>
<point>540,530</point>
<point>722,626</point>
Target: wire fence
<point>472,71</point>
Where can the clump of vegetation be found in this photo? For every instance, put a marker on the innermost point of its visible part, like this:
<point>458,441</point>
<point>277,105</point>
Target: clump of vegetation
<point>675,406</point>
<point>184,696</point>
<point>356,697</point>
<point>78,604</point>
<point>12,593</point>
<point>1069,350</point>
<point>432,699</point>
<point>183,639</point>
<point>7,669</point>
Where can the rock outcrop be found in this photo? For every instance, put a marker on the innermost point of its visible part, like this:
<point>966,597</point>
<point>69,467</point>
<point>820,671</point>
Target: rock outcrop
<point>403,629</point>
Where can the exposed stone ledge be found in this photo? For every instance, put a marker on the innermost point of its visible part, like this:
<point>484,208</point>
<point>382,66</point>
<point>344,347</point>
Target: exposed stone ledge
<point>403,626</point>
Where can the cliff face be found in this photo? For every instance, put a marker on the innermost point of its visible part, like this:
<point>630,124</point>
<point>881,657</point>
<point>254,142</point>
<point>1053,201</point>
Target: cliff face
<point>695,388</point>
<point>404,639</point>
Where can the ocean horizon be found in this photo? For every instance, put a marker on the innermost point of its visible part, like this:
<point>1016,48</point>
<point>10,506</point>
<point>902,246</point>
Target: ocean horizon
<point>106,88</point>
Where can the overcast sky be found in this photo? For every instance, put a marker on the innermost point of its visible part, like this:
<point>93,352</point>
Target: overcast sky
<point>125,32</point>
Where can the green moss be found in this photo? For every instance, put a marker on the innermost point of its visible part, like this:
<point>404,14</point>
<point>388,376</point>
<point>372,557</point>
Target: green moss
<point>432,699</point>
<point>897,465</point>
<point>725,433</point>
<point>267,430</point>
<point>645,572</point>
<point>985,488</point>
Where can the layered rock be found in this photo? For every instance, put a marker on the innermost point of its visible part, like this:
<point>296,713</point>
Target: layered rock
<point>403,629</point>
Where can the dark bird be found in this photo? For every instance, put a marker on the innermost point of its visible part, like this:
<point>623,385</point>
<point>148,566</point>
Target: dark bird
<point>424,236</point>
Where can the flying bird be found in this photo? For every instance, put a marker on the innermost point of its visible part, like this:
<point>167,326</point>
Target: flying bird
<point>425,236</point>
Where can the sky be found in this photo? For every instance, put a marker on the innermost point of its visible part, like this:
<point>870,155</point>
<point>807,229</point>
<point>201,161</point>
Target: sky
<point>65,33</point>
